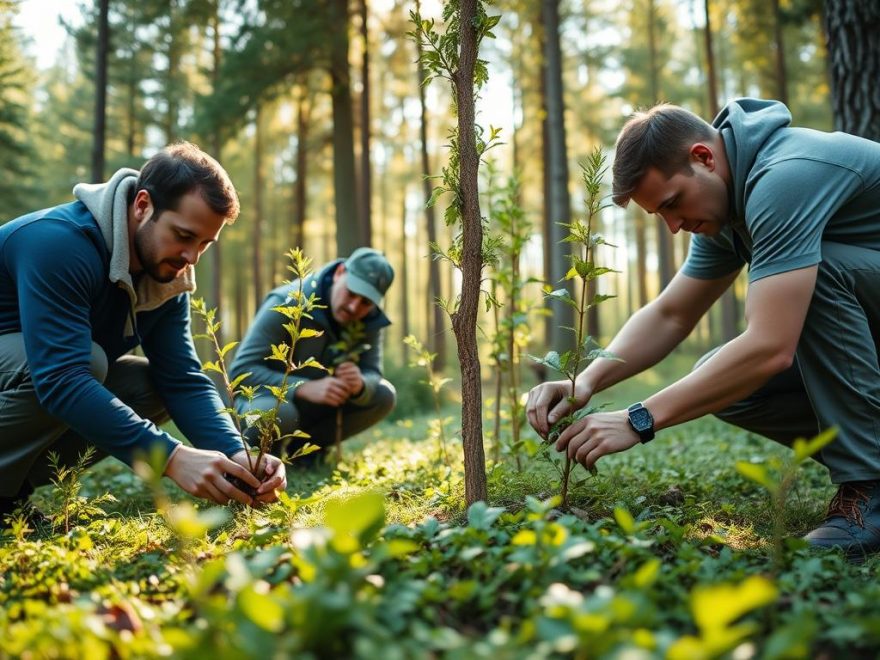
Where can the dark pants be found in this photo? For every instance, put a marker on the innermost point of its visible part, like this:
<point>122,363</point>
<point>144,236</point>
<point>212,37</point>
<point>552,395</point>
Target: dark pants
<point>28,433</point>
<point>835,380</point>
<point>319,421</point>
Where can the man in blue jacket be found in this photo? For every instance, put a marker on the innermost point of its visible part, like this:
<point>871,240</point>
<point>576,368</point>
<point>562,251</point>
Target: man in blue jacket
<point>802,209</point>
<point>351,291</point>
<point>81,285</point>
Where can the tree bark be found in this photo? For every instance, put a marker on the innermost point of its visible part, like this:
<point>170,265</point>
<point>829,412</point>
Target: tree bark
<point>366,187</point>
<point>464,320</point>
<point>851,27</point>
<point>779,45</point>
<point>404,275</point>
<point>556,166</point>
<point>216,149</point>
<point>257,239</point>
<point>347,229</point>
<point>437,326</point>
<point>711,73</point>
<point>303,124</point>
<point>100,127</point>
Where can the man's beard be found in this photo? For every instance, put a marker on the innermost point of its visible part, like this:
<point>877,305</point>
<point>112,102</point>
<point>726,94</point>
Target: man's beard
<point>146,256</point>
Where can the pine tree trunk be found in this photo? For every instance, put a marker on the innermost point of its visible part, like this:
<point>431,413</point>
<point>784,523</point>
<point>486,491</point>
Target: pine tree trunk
<point>437,331</point>
<point>779,45</point>
<point>852,27</point>
<point>303,124</point>
<point>464,320</point>
<point>347,229</point>
<point>216,151</point>
<point>257,239</point>
<point>100,125</point>
<point>556,168</point>
<point>366,187</point>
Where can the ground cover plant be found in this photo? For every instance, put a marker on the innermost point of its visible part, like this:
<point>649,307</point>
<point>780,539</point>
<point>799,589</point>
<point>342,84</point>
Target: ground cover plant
<point>667,552</point>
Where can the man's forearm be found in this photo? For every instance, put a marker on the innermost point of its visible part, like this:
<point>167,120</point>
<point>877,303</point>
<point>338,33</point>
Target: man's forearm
<point>739,368</point>
<point>645,339</point>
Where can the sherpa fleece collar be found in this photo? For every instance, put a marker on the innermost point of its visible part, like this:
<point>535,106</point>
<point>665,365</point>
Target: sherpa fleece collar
<point>108,202</point>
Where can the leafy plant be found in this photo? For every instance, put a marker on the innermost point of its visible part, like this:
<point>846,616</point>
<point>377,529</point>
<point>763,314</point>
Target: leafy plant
<point>66,503</point>
<point>348,349</point>
<point>585,348</point>
<point>779,479</point>
<point>512,332</point>
<point>263,424</point>
<point>423,358</point>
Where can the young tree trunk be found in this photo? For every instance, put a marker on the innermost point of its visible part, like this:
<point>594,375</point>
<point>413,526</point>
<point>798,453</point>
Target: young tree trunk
<point>464,320</point>
<point>852,27</point>
<point>436,333</point>
<point>556,166</point>
<point>641,257</point>
<point>100,126</point>
<point>347,225</point>
<point>365,189</point>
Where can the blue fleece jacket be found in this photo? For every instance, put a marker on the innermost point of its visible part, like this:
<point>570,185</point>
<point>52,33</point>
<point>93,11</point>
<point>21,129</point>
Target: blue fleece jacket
<point>55,290</point>
<point>792,189</point>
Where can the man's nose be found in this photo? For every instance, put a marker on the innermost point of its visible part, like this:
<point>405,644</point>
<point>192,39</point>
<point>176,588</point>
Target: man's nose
<point>673,223</point>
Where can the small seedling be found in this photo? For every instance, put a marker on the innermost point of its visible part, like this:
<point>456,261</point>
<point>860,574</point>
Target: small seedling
<point>583,269</point>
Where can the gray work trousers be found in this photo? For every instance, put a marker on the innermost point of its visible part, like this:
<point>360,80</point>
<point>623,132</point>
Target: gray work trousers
<point>835,379</point>
<point>28,433</point>
<point>319,420</point>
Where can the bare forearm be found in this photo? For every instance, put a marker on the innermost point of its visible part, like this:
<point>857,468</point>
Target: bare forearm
<point>645,339</point>
<point>734,372</point>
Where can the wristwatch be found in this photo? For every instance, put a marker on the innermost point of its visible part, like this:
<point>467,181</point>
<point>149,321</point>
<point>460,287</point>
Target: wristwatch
<point>642,421</point>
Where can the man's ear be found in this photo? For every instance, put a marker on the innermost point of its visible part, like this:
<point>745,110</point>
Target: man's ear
<point>340,269</point>
<point>143,206</point>
<point>701,152</point>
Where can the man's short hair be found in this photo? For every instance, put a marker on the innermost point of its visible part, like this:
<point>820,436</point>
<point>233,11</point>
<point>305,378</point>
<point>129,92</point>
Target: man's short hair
<point>660,137</point>
<point>182,168</point>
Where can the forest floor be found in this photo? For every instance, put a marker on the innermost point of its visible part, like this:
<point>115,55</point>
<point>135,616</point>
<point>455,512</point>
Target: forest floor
<point>669,551</point>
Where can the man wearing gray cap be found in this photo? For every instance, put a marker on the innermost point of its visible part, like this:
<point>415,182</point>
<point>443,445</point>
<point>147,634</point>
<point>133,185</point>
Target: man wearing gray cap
<point>352,290</point>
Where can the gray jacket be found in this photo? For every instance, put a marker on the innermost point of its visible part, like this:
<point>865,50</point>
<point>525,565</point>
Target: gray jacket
<point>267,330</point>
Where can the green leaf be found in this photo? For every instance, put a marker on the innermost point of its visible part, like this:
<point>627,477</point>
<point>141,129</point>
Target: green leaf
<point>758,474</point>
<point>625,520</point>
<point>647,573</point>
<point>261,608</point>
<point>361,516</point>
<point>482,516</point>
<point>803,449</point>
<point>716,607</point>
<point>227,348</point>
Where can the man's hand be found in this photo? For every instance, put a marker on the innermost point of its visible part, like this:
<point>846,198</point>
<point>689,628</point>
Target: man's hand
<point>329,391</point>
<point>350,374</point>
<point>274,475</point>
<point>596,435</point>
<point>548,403</point>
<point>203,473</point>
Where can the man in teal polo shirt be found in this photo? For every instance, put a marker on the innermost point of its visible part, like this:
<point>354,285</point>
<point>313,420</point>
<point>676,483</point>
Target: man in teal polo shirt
<point>802,209</point>
<point>351,291</point>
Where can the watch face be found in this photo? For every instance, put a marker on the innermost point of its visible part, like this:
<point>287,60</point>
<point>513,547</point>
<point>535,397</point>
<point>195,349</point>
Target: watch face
<point>641,419</point>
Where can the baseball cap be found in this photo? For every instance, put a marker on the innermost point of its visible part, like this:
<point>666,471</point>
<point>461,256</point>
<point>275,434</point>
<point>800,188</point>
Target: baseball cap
<point>369,274</point>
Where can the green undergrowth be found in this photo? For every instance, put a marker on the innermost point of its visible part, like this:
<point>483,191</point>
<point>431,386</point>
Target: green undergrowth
<point>665,553</point>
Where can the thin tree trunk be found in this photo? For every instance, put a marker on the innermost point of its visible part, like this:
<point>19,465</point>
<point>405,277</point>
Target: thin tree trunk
<point>365,189</point>
<point>257,239</point>
<point>347,230</point>
<point>641,258</point>
<point>437,331</point>
<point>100,125</point>
<point>216,149</point>
<point>557,167</point>
<point>303,124</point>
<point>404,274</point>
<point>779,45</point>
<point>464,320</point>
<point>711,75</point>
